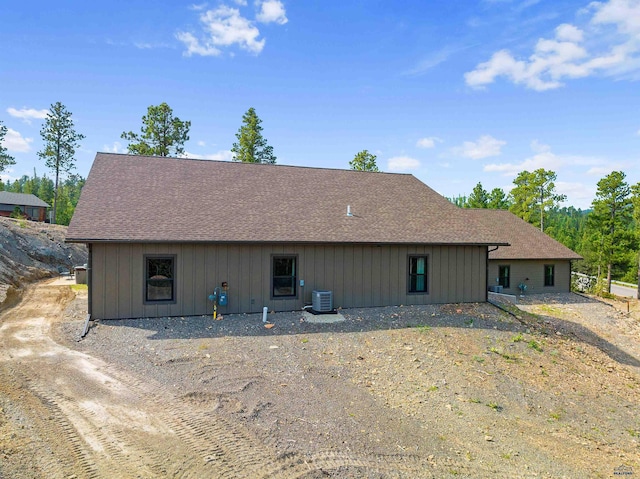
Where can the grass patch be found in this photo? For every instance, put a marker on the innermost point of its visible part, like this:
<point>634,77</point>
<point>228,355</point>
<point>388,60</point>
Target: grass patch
<point>535,345</point>
<point>517,338</point>
<point>423,328</point>
<point>507,356</point>
<point>495,406</point>
<point>79,287</point>
<point>478,359</point>
<point>432,388</point>
<point>475,401</point>
<point>557,415</point>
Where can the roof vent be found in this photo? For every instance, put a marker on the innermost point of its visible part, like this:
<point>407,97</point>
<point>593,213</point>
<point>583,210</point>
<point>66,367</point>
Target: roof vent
<point>349,213</point>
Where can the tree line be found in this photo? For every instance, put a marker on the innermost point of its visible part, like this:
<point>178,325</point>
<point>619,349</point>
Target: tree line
<point>607,235</point>
<point>161,134</point>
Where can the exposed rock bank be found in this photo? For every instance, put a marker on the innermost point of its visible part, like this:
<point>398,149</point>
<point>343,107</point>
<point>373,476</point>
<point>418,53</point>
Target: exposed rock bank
<point>30,251</point>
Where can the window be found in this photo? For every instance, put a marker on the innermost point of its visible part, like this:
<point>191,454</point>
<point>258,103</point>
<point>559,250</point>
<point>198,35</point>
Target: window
<point>418,274</point>
<point>503,276</point>
<point>549,271</point>
<point>284,277</point>
<point>160,279</point>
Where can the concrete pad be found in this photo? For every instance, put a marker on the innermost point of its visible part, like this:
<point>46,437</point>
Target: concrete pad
<point>322,318</point>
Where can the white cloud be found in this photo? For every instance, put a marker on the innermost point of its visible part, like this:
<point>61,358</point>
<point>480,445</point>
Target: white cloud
<point>149,46</point>
<point>201,143</point>
<point>223,27</point>
<point>581,194</point>
<point>194,47</point>
<point>544,158</point>
<point>485,147</point>
<point>222,155</point>
<point>613,36</point>
<point>28,114</point>
<point>638,133</point>
<point>272,11</point>
<point>115,148</point>
<point>428,142</point>
<point>600,170</point>
<point>14,141</point>
<point>402,163</point>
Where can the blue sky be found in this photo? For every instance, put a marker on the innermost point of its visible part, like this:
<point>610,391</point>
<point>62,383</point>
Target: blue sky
<point>451,92</point>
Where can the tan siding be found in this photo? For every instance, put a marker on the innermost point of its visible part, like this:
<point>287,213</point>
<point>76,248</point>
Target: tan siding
<point>97,281</point>
<point>123,283</point>
<point>359,276</point>
<point>534,271</point>
<point>338,274</point>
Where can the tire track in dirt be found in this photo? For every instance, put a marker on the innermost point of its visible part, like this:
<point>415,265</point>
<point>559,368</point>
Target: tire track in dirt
<point>112,424</point>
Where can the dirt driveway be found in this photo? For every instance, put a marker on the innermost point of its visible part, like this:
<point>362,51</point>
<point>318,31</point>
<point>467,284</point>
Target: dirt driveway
<point>410,392</point>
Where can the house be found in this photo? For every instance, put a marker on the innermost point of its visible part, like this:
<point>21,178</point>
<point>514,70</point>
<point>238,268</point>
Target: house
<point>532,258</point>
<point>162,233</point>
<point>30,205</point>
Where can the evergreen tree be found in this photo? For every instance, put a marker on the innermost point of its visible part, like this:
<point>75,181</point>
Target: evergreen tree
<point>5,159</point>
<point>251,146</point>
<point>161,133</point>
<point>498,200</point>
<point>364,161</point>
<point>60,143</point>
<point>460,201</point>
<point>635,200</point>
<point>478,198</point>
<point>533,194</point>
<point>609,224</point>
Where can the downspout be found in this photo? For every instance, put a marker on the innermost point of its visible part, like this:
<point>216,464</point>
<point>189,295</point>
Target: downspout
<point>570,276</point>
<point>85,330</point>
<point>486,289</point>
<point>89,279</point>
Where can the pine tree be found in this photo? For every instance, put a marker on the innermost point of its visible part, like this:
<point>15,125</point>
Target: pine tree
<point>161,133</point>
<point>5,159</point>
<point>534,193</point>
<point>251,146</point>
<point>364,161</point>
<point>479,198</point>
<point>60,143</point>
<point>609,224</point>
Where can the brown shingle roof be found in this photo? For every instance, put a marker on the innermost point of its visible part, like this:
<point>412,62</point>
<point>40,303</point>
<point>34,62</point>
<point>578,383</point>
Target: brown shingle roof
<point>525,240</point>
<point>142,199</point>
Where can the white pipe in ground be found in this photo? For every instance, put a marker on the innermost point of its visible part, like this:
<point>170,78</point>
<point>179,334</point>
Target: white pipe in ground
<point>264,314</point>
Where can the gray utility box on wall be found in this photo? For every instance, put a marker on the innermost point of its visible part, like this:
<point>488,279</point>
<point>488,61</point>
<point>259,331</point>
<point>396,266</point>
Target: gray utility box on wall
<point>322,301</point>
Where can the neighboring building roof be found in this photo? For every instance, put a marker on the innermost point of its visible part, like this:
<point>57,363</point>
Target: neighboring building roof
<point>525,240</point>
<point>130,198</point>
<point>21,199</point>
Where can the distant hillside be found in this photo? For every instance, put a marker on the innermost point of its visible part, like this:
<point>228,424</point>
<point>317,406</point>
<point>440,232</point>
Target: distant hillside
<point>30,251</point>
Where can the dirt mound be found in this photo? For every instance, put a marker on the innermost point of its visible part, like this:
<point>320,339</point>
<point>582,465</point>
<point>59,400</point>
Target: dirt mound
<point>30,251</point>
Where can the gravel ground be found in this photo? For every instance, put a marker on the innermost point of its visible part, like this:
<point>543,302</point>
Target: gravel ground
<point>463,390</point>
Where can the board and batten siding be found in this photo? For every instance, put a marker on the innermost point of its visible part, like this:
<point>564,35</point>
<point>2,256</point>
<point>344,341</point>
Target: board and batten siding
<point>531,273</point>
<point>359,276</point>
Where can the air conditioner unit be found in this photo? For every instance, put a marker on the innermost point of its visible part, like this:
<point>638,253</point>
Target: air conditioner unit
<point>322,301</point>
<point>496,289</point>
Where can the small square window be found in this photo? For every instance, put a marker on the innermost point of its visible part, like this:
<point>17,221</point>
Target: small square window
<point>159,279</point>
<point>549,273</point>
<point>418,274</point>
<point>284,277</point>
